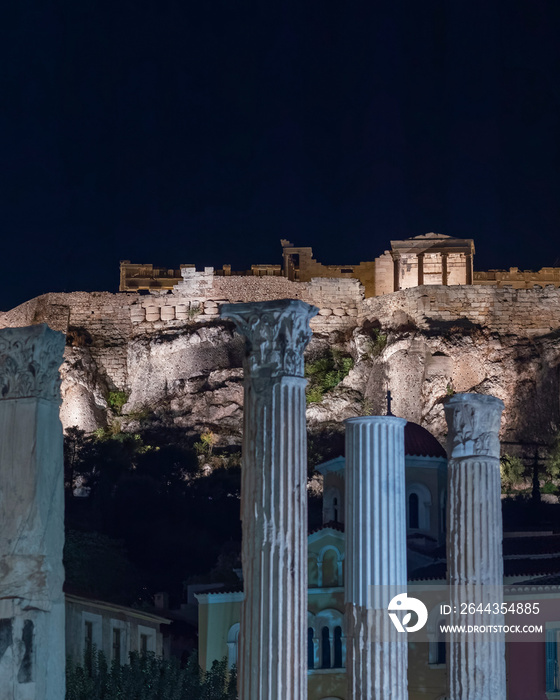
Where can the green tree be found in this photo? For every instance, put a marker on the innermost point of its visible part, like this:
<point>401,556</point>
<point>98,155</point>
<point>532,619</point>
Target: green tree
<point>148,677</point>
<point>512,472</point>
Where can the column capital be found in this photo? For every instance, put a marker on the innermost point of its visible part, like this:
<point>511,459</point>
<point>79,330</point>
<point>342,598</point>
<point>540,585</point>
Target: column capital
<point>474,424</point>
<point>29,362</point>
<point>276,332</point>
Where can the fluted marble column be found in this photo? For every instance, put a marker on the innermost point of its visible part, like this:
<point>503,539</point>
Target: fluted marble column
<point>375,527</point>
<point>32,636</point>
<point>476,669</point>
<point>273,633</point>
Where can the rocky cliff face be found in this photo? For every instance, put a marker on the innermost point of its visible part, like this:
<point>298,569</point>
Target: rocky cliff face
<point>421,343</point>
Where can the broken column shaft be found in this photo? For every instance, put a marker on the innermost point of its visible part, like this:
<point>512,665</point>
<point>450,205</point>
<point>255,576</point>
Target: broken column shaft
<point>273,632</point>
<point>476,668</point>
<point>32,635</point>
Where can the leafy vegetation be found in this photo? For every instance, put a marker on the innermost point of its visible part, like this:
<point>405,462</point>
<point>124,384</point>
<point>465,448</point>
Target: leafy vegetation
<point>205,446</point>
<point>142,498</point>
<point>326,373</point>
<point>147,677</point>
<point>116,400</point>
<point>375,346</point>
<point>512,472</point>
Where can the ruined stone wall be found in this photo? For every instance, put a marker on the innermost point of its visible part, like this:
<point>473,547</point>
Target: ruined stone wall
<point>520,279</point>
<point>525,312</point>
<point>339,300</point>
<point>99,321</point>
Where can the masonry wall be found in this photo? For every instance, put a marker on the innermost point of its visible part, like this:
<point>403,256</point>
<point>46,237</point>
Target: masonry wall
<point>506,310</point>
<point>104,323</point>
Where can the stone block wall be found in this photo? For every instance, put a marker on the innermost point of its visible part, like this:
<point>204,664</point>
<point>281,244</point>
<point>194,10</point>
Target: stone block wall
<point>519,279</point>
<point>524,312</point>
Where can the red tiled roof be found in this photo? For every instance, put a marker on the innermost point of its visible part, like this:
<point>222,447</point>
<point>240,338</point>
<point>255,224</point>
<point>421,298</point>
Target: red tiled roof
<point>419,442</point>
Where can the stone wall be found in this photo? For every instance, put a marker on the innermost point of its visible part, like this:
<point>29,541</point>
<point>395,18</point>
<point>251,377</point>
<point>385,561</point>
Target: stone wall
<point>104,323</point>
<point>520,279</point>
<point>524,312</point>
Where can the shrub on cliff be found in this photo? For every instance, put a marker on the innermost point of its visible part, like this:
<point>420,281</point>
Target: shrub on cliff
<point>326,373</point>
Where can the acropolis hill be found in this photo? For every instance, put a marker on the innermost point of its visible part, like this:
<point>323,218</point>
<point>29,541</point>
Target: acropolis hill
<point>417,319</point>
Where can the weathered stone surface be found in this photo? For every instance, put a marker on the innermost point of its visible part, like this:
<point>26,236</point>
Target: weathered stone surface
<point>375,531</point>
<point>474,543</point>
<point>31,515</point>
<point>273,634</point>
<point>438,340</point>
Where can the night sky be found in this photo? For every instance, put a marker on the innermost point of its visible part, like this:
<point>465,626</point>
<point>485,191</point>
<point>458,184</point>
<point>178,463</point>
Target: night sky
<point>203,132</point>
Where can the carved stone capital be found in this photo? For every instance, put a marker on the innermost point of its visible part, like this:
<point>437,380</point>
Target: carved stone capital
<point>474,425</point>
<point>276,333</point>
<point>29,362</point>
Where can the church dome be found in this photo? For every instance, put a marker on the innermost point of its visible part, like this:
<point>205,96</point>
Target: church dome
<point>419,442</point>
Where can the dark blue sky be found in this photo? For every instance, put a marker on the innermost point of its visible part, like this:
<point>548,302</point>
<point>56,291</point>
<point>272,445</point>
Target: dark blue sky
<point>203,132</point>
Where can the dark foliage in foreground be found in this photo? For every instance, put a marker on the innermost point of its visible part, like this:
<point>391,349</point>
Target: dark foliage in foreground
<point>147,677</point>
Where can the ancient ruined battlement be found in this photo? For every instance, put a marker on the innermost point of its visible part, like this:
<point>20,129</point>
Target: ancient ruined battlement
<point>428,259</point>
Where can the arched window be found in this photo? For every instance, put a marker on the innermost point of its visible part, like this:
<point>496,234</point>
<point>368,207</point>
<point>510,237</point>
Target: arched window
<point>331,651</point>
<point>310,648</point>
<point>232,644</point>
<point>337,647</point>
<point>413,516</point>
<point>437,650</point>
<point>312,571</point>
<point>332,506</point>
<point>419,500</point>
<point>325,648</point>
<point>329,563</point>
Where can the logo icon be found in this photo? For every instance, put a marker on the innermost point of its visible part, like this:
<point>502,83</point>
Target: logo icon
<point>404,602</point>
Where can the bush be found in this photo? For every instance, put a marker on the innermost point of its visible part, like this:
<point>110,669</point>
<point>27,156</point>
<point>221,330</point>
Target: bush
<point>512,471</point>
<point>325,374</point>
<point>147,677</point>
<point>376,344</point>
<point>116,400</point>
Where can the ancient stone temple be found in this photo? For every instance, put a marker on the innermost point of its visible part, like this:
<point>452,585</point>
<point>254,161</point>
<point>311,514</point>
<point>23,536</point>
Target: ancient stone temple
<point>273,633</point>
<point>477,669</point>
<point>432,259</point>
<point>32,649</point>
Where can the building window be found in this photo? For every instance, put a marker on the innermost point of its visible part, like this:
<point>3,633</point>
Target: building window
<point>437,649</point>
<point>325,648</point>
<point>337,647</point>
<point>91,634</point>
<point>335,509</point>
<point>88,636</point>
<point>419,499</point>
<point>117,649</point>
<point>146,640</point>
<point>310,648</point>
<point>233,644</point>
<point>413,520</point>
